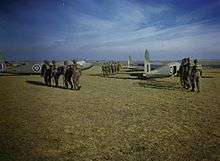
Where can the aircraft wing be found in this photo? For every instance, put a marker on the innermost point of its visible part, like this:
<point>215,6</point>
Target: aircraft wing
<point>23,67</point>
<point>34,67</point>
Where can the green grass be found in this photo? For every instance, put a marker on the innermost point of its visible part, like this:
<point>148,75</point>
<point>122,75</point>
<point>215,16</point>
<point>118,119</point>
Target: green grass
<point>109,119</point>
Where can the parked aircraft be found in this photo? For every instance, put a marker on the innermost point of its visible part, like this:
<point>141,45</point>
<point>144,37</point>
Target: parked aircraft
<point>139,65</point>
<point>31,67</point>
<point>159,71</point>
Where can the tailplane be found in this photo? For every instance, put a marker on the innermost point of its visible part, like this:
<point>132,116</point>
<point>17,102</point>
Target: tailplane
<point>130,63</point>
<point>2,62</point>
<point>147,67</point>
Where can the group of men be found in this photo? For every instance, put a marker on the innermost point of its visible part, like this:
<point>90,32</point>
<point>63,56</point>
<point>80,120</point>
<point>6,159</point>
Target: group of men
<point>110,68</point>
<point>71,72</point>
<point>190,74</point>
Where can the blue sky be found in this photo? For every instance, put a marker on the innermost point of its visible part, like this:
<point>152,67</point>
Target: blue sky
<point>109,29</point>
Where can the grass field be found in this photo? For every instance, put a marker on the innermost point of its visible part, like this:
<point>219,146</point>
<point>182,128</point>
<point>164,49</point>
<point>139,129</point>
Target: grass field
<point>109,119</point>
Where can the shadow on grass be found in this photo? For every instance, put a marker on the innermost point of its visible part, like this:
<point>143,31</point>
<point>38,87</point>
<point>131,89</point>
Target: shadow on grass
<point>96,75</point>
<point>113,76</point>
<point>12,75</point>
<point>206,76</point>
<point>38,83</point>
<point>159,85</point>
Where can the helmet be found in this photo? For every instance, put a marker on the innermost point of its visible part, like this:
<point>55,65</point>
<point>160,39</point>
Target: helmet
<point>74,61</point>
<point>195,61</point>
<point>188,59</point>
<point>46,62</point>
<point>67,62</point>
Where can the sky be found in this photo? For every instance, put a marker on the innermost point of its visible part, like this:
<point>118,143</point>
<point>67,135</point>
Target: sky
<point>110,29</point>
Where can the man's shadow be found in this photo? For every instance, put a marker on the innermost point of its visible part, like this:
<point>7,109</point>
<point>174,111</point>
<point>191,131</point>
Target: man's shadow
<point>159,85</point>
<point>39,83</point>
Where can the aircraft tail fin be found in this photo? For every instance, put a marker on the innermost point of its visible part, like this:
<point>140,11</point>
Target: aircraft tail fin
<point>2,62</point>
<point>130,63</point>
<point>147,67</point>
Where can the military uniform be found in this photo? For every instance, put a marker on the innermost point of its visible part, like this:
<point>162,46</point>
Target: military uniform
<point>187,73</point>
<point>181,73</point>
<point>195,76</point>
<point>118,67</point>
<point>108,69</point>
<point>54,71</point>
<point>46,72</point>
<point>76,75</point>
<point>68,72</point>
<point>103,70</point>
<point>115,68</point>
<point>112,68</point>
<point>54,67</point>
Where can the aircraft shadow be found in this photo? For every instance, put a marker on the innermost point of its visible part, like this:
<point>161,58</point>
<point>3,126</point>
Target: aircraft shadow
<point>159,85</point>
<point>38,83</point>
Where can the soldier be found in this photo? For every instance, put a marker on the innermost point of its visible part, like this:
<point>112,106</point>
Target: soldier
<point>187,73</point>
<point>56,76</point>
<point>115,68</point>
<point>49,73</point>
<point>46,72</point>
<point>108,68</point>
<point>76,75</point>
<point>118,67</point>
<point>181,72</point>
<point>54,70</point>
<point>195,76</point>
<point>103,70</point>
<point>68,72</point>
<point>54,66</point>
<point>43,68</point>
<point>111,68</point>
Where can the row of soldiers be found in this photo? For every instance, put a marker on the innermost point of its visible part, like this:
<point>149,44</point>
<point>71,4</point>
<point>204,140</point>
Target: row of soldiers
<point>71,72</point>
<point>110,68</point>
<point>190,74</point>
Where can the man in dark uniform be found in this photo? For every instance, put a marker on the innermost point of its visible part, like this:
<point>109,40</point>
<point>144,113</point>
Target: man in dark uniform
<point>187,73</point>
<point>43,68</point>
<point>46,72</point>
<point>49,74</point>
<point>76,75</point>
<point>68,72</point>
<point>54,70</point>
<point>195,76</point>
<point>181,73</point>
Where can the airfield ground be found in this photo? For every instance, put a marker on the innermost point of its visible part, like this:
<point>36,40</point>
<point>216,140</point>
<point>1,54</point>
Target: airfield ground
<point>109,119</point>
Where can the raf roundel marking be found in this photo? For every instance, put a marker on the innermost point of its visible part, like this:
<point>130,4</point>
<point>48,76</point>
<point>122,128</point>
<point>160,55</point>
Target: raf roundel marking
<point>36,68</point>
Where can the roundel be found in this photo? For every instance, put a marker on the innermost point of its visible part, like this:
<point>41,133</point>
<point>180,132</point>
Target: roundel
<point>36,68</point>
<point>171,69</point>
